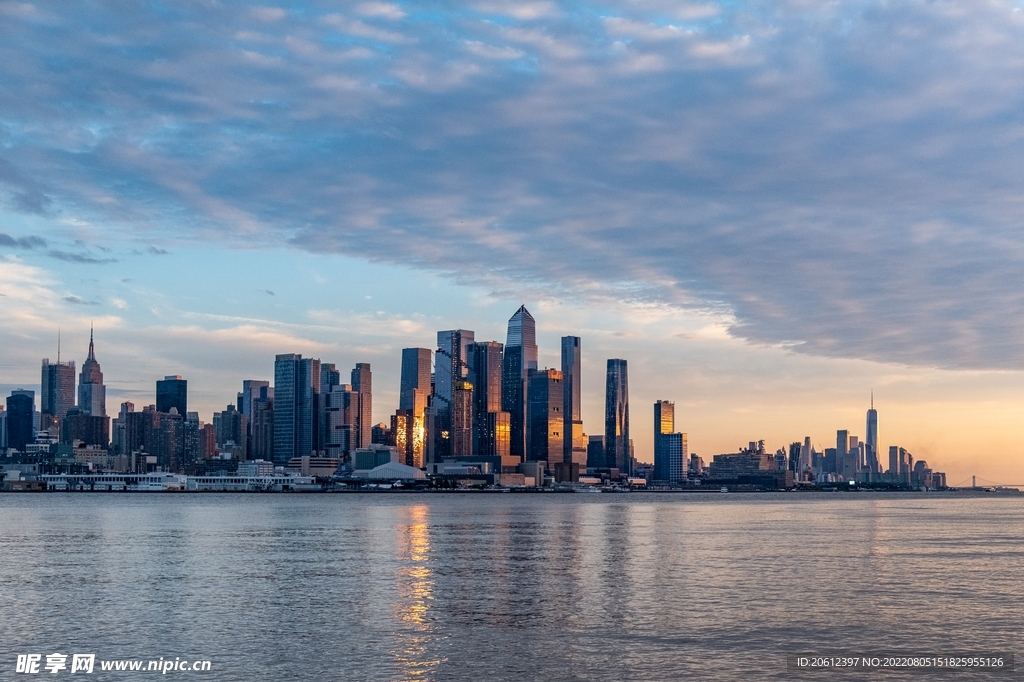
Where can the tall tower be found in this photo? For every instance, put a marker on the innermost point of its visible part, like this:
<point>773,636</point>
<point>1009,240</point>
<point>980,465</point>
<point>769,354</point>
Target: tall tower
<point>451,370</point>
<point>616,417</point>
<point>872,438</point>
<point>573,448</point>
<point>296,407</point>
<point>362,385</point>
<point>664,424</point>
<point>490,437</point>
<point>92,394</point>
<point>57,386</point>
<point>520,358</point>
<point>415,375</point>
<point>546,422</point>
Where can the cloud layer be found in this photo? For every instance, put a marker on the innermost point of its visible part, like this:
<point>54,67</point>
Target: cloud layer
<point>840,178</point>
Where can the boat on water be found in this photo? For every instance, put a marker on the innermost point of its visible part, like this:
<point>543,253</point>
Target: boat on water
<point>724,489</point>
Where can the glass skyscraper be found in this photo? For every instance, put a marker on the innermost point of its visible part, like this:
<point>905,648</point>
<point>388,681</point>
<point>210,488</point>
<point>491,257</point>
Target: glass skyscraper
<point>490,432</point>
<point>872,438</point>
<point>546,422</point>
<point>296,407</point>
<point>616,417</point>
<point>57,392</point>
<point>573,448</point>
<point>172,391</point>
<point>520,357</point>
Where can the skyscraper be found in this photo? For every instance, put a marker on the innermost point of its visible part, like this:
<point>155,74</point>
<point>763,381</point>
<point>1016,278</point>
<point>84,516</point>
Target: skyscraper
<point>172,391</point>
<point>58,392</point>
<point>664,424</point>
<point>461,440</point>
<point>490,433</point>
<point>20,406</point>
<point>296,407</point>
<point>248,399</point>
<point>545,438</point>
<point>362,386</point>
<point>92,394</point>
<point>873,465</point>
<point>616,417</point>
<point>451,369</point>
<point>415,375</point>
<point>261,429</point>
<point>573,448</point>
<point>520,357</point>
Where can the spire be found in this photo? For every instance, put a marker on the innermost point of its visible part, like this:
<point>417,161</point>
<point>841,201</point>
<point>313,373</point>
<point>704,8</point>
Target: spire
<point>58,345</point>
<point>92,355</point>
<point>872,399</point>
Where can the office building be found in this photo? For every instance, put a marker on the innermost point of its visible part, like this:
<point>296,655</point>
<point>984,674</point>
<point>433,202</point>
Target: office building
<point>261,429</point>
<point>595,452</point>
<point>871,446</point>
<point>57,395</point>
<point>894,460</point>
<point>675,454</point>
<point>296,407</point>
<point>20,408</point>
<point>490,422</point>
<point>341,415</point>
<point>574,448</point>
<point>461,437</point>
<point>520,357</point>
<point>408,428</point>
<point>89,429</point>
<point>362,386</point>
<point>451,370</point>
<point>616,417</point>
<point>664,424</point>
<point>231,426</point>
<point>545,438</point>
<point>172,393</point>
<point>415,375</point>
<point>92,394</point>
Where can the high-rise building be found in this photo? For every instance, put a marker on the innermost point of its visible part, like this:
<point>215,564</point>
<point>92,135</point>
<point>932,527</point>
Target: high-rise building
<point>675,452</point>
<point>362,386</point>
<point>520,357</point>
<point>664,424</point>
<point>616,417</point>
<point>849,454</point>
<point>261,429</point>
<point>415,375</point>
<point>806,462</point>
<point>545,438</point>
<point>595,453</point>
<point>461,438</point>
<point>408,428</point>
<point>252,389</point>
<point>894,460</point>
<point>231,426</point>
<point>89,429</point>
<point>871,446</point>
<point>92,394</point>
<point>20,407</point>
<point>341,410</point>
<point>573,448</point>
<point>58,393</point>
<point>3,431</point>
<point>296,407</point>
<point>490,432</point>
<point>172,392</point>
<point>451,369</point>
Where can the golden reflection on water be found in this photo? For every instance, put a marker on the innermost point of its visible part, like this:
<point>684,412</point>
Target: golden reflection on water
<point>415,597</point>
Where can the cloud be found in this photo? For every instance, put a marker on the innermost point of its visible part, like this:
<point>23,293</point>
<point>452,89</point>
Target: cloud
<point>386,10</point>
<point>75,300</point>
<point>836,179</point>
<point>30,242</point>
<point>86,259</point>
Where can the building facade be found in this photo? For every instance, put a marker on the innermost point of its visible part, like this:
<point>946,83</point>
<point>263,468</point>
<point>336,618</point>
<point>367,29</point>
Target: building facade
<point>616,417</point>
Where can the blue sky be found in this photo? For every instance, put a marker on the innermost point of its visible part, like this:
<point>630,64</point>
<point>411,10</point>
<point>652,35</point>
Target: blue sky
<point>768,207</point>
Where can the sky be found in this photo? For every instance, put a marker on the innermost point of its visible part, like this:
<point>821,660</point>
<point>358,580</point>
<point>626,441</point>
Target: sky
<point>770,209</point>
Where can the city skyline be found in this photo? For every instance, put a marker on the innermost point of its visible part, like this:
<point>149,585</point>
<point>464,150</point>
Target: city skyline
<point>768,210</point>
<point>480,362</point>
